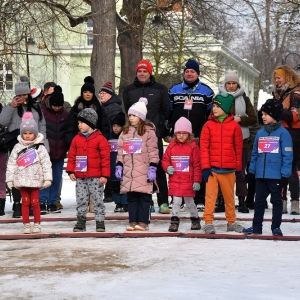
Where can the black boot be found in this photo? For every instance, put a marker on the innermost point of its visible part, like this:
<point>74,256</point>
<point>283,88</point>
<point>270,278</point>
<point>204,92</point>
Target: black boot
<point>17,209</point>
<point>220,207</point>
<point>2,206</point>
<point>249,202</point>
<point>80,225</point>
<point>195,224</point>
<point>174,224</point>
<point>100,226</point>
<point>242,206</point>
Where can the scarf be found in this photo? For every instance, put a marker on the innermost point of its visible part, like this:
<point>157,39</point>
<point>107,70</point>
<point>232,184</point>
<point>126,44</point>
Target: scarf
<point>272,127</point>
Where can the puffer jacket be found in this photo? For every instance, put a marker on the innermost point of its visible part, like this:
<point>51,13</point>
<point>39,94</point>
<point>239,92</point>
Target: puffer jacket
<point>135,166</point>
<point>181,183</point>
<point>33,175</point>
<point>221,144</point>
<point>112,107</point>
<point>272,165</point>
<point>97,150</point>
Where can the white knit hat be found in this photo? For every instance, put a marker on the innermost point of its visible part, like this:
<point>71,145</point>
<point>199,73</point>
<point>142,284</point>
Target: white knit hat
<point>232,75</point>
<point>139,108</point>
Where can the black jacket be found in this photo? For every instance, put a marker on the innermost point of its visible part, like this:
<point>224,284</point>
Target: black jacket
<point>112,107</point>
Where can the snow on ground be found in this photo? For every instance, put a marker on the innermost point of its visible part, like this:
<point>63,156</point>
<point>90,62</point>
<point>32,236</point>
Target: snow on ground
<point>146,268</point>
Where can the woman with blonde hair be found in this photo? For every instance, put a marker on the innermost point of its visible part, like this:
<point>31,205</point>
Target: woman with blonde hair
<point>287,89</point>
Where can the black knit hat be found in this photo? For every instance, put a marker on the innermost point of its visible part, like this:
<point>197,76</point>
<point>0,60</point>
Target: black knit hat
<point>192,64</point>
<point>119,119</point>
<point>57,97</point>
<point>88,85</point>
<point>273,108</point>
<point>107,87</point>
<point>89,117</point>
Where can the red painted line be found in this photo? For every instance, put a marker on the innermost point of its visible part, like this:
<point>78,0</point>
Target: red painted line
<point>142,234</point>
<point>87,234</point>
<point>216,236</point>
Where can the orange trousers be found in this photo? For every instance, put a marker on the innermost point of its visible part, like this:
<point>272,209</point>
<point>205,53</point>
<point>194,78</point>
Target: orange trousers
<point>226,183</point>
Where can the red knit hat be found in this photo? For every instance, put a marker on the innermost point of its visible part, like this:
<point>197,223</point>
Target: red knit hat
<point>107,87</point>
<point>144,64</point>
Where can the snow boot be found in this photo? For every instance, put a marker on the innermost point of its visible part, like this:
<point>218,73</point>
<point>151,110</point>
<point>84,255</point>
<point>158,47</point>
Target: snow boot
<point>17,209</point>
<point>195,224</point>
<point>242,206</point>
<point>294,207</point>
<point>284,207</point>
<point>80,225</point>
<point>100,227</point>
<point>220,207</point>
<point>2,206</point>
<point>174,224</point>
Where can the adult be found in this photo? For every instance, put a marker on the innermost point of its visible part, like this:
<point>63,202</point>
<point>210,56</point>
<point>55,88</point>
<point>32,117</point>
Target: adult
<point>244,114</point>
<point>192,99</point>
<point>158,108</point>
<point>11,116</point>
<point>287,89</point>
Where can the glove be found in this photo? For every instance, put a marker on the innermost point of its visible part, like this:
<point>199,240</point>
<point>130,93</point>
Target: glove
<point>206,173</point>
<point>170,170</point>
<point>284,181</point>
<point>119,172</point>
<point>152,173</point>
<point>47,183</point>
<point>196,186</point>
<point>238,173</point>
<point>10,185</point>
<point>249,177</point>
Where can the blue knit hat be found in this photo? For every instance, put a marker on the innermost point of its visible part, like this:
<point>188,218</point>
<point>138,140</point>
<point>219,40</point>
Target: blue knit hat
<point>192,64</point>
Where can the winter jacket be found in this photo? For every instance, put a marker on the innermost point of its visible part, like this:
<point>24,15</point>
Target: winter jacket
<point>221,144</point>
<point>112,107</point>
<point>158,106</point>
<point>272,165</point>
<point>56,126</point>
<point>33,175</point>
<point>97,150</point>
<point>135,166</point>
<point>181,183</point>
<point>113,157</point>
<point>46,102</point>
<point>201,94</point>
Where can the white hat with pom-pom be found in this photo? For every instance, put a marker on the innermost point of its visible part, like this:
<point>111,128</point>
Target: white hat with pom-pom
<point>139,108</point>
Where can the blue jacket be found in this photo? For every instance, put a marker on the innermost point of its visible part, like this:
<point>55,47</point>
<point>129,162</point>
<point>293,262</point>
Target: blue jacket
<point>272,165</point>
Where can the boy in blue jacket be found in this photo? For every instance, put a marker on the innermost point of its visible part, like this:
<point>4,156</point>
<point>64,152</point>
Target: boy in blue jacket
<point>271,166</point>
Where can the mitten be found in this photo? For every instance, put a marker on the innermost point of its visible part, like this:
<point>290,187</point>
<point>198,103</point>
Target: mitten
<point>170,170</point>
<point>119,172</point>
<point>206,173</point>
<point>47,183</point>
<point>10,185</point>
<point>284,181</point>
<point>249,177</point>
<point>152,173</point>
<point>238,173</point>
<point>196,186</point>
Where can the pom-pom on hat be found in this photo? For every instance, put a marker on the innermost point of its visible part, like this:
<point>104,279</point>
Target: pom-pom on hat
<point>273,108</point>
<point>22,86</point>
<point>88,85</point>
<point>89,117</point>
<point>35,92</point>
<point>107,87</point>
<point>139,108</point>
<point>232,75</point>
<point>57,97</point>
<point>224,101</point>
<point>192,64</point>
<point>119,119</point>
<point>183,124</point>
<point>144,64</point>
<point>28,123</point>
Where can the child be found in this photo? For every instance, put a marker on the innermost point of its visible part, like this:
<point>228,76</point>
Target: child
<point>137,163</point>
<point>89,165</point>
<point>181,161</point>
<point>271,165</point>
<point>29,170</point>
<point>221,145</point>
<point>118,123</point>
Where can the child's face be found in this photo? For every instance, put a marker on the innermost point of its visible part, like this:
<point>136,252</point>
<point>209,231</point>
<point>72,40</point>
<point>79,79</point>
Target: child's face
<point>28,136</point>
<point>134,120</point>
<point>267,119</point>
<point>117,128</point>
<point>56,108</point>
<point>87,95</point>
<point>182,136</point>
<point>218,111</point>
<point>83,127</point>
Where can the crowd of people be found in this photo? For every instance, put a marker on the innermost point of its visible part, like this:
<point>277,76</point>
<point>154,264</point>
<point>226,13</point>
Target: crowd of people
<point>115,150</point>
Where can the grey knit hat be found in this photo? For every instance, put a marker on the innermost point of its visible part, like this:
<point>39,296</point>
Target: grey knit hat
<point>89,117</point>
<point>232,75</point>
<point>22,86</point>
<point>28,123</point>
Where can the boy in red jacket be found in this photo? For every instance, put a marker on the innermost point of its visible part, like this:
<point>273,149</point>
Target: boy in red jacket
<point>89,165</point>
<point>221,145</point>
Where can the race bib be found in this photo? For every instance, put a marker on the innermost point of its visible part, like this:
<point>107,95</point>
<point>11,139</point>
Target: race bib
<point>181,163</point>
<point>113,145</point>
<point>188,104</point>
<point>132,146</point>
<point>268,144</point>
<point>27,159</point>
<point>81,164</point>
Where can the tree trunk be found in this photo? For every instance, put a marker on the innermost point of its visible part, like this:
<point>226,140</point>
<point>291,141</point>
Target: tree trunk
<point>104,42</point>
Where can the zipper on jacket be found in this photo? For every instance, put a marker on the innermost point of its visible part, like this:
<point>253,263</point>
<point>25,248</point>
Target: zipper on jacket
<point>265,160</point>
<point>132,162</point>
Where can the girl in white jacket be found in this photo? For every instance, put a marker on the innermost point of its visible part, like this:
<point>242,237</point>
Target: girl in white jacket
<point>29,169</point>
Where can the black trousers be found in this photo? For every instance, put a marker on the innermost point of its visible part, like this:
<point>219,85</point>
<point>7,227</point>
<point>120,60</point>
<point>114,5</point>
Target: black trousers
<point>139,207</point>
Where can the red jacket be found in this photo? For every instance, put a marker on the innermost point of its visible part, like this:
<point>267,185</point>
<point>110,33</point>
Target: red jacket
<point>221,144</point>
<point>97,150</point>
<point>181,183</point>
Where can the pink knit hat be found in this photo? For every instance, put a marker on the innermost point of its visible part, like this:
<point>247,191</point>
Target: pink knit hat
<point>139,109</point>
<point>183,124</point>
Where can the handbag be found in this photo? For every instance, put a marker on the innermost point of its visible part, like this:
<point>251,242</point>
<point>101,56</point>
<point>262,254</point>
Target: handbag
<point>11,138</point>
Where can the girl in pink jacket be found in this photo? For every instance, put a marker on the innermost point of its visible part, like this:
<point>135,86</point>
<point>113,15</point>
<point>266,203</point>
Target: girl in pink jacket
<point>182,162</point>
<point>136,165</point>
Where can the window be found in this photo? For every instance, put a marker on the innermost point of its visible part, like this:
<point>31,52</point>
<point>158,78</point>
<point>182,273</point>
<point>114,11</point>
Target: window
<point>89,32</point>
<point>6,79</point>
